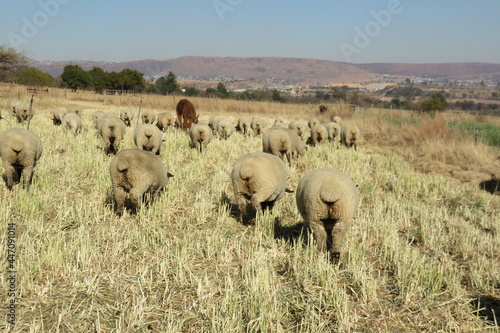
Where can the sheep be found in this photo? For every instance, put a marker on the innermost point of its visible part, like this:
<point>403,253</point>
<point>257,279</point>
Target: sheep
<point>260,178</point>
<point>279,122</point>
<point>73,122</point>
<point>58,115</point>
<point>136,172</point>
<point>225,128</point>
<point>243,125</point>
<point>75,109</point>
<point>337,119</point>
<point>349,136</point>
<point>20,150</point>
<point>313,122</point>
<point>319,134</point>
<point>297,145</point>
<point>95,116</point>
<point>127,114</point>
<point>333,129</point>
<point>299,127</point>
<point>112,129</point>
<point>277,142</point>
<point>148,117</point>
<point>200,135</point>
<point>257,125</point>
<point>165,120</point>
<point>13,107</point>
<point>213,121</point>
<point>22,112</point>
<point>327,200</point>
<point>148,137</point>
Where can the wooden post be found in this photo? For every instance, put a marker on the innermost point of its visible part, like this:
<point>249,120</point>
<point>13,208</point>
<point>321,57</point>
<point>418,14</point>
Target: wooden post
<point>30,112</point>
<point>138,113</point>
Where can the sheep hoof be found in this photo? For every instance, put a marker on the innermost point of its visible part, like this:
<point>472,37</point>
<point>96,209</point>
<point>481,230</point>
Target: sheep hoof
<point>335,257</point>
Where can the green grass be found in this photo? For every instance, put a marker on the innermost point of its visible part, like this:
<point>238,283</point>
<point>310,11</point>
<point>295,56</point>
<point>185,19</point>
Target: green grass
<point>487,133</point>
<point>422,250</point>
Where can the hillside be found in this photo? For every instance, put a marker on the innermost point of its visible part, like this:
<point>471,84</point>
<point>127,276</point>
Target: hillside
<point>451,71</point>
<point>287,70</point>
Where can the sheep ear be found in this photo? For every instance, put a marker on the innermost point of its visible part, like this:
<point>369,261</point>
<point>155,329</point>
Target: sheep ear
<point>169,175</point>
<point>287,190</point>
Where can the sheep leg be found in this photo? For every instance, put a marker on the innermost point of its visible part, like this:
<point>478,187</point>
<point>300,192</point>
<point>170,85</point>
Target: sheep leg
<point>336,239</point>
<point>26,175</point>
<point>242,204</point>
<point>136,197</point>
<point>320,235</point>
<point>289,157</point>
<point>9,174</point>
<point>119,194</point>
<point>255,201</point>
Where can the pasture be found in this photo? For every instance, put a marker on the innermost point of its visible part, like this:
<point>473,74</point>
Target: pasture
<point>423,253</point>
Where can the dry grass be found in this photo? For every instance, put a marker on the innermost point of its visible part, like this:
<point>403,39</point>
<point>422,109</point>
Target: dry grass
<point>422,255</point>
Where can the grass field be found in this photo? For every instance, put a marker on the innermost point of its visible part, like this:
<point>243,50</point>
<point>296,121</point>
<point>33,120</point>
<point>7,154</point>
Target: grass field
<point>422,255</point>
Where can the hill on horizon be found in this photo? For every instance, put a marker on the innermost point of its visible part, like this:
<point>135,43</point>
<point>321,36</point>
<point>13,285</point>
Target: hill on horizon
<point>303,71</point>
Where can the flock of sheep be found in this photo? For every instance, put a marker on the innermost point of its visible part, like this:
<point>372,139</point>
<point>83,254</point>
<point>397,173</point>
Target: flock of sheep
<point>327,199</point>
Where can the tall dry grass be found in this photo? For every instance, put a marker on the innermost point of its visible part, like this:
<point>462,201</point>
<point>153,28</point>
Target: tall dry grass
<point>422,254</point>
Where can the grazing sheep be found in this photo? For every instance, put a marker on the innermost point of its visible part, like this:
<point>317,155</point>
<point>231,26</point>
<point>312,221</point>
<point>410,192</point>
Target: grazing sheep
<point>20,149</point>
<point>72,122</point>
<point>136,172</point>
<point>112,129</point>
<point>22,112</point>
<point>277,142</point>
<point>319,134</point>
<point>127,114</point>
<point>297,145</point>
<point>313,122</point>
<point>165,120</point>
<point>13,107</point>
<point>200,135</point>
<point>186,114</point>
<point>349,136</point>
<point>279,122</point>
<point>225,128</point>
<point>95,116</point>
<point>58,115</point>
<point>148,117</point>
<point>300,128</point>
<point>148,137</point>
<point>213,122</point>
<point>260,178</point>
<point>75,109</point>
<point>333,129</point>
<point>327,200</point>
<point>257,125</point>
<point>243,125</point>
<point>337,119</point>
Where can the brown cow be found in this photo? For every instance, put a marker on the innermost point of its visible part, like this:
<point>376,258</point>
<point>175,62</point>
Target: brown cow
<point>323,108</point>
<point>186,114</point>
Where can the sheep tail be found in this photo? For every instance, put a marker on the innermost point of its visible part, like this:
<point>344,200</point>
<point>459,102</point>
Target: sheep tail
<point>329,195</point>
<point>122,166</point>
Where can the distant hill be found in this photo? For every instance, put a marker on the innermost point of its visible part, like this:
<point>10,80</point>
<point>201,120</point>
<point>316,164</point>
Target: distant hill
<point>286,70</point>
<point>289,70</point>
<point>451,71</point>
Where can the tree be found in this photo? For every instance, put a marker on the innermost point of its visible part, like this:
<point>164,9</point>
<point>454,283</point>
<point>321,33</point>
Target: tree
<point>99,79</point>
<point>191,91</point>
<point>210,92</point>
<point>132,80</point>
<point>167,85</point>
<point>222,91</point>
<point>75,77</point>
<point>33,77</point>
<point>277,97</point>
<point>10,59</point>
<point>437,102</point>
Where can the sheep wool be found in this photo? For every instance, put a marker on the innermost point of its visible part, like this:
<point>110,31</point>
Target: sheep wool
<point>200,135</point>
<point>260,178</point>
<point>327,200</point>
<point>20,150</point>
<point>136,172</point>
<point>148,137</point>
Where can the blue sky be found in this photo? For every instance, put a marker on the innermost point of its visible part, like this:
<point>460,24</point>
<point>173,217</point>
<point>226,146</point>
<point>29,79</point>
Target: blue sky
<point>410,31</point>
